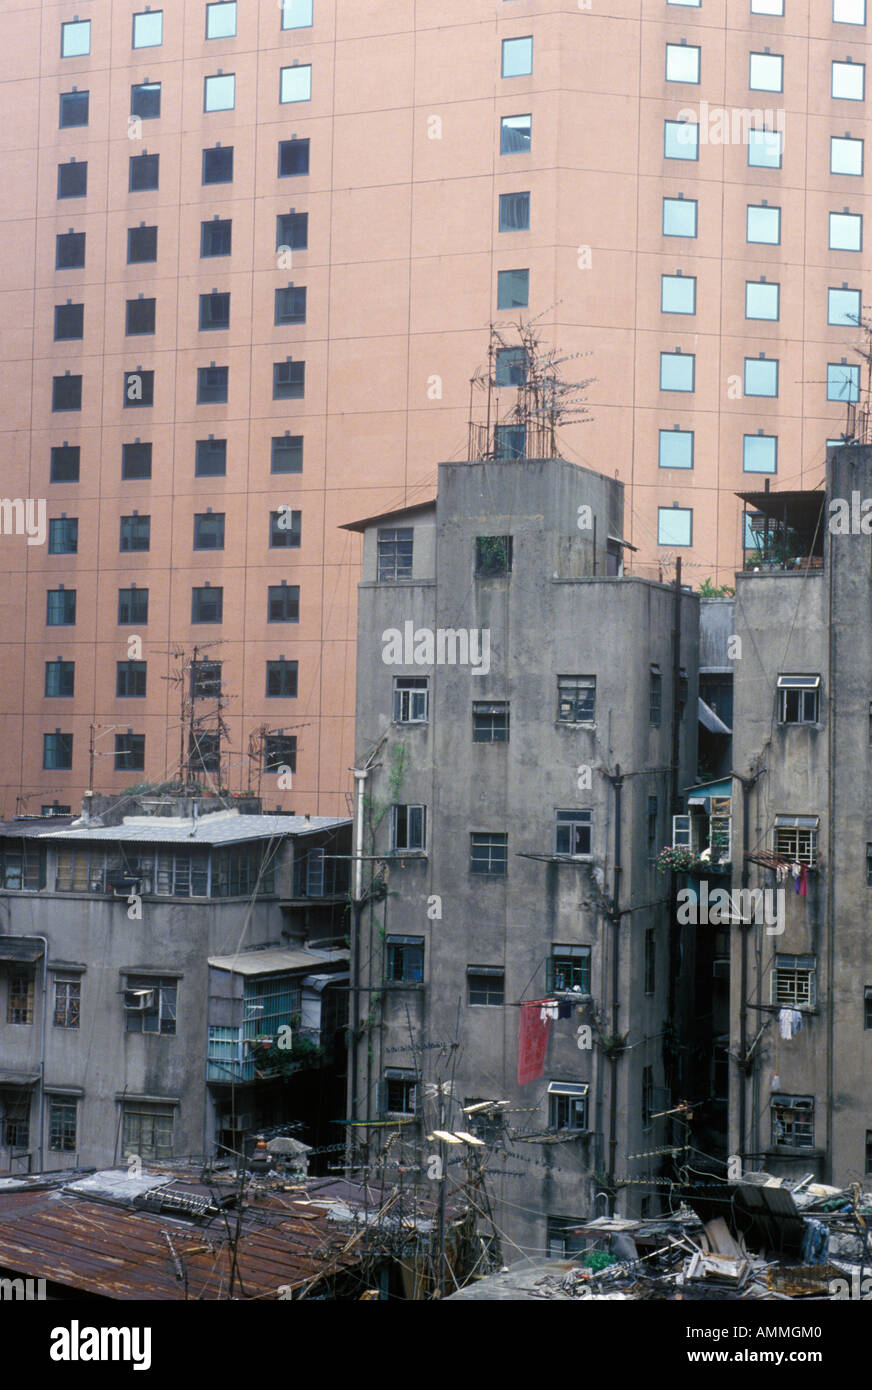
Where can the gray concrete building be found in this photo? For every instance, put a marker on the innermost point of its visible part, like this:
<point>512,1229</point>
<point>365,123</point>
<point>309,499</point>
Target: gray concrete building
<point>518,765</point>
<point>801,985</point>
<point>147,970</point>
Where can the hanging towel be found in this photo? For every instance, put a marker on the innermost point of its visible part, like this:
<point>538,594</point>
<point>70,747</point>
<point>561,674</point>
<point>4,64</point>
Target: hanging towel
<point>532,1042</point>
<point>789,1022</point>
<point>803,882</point>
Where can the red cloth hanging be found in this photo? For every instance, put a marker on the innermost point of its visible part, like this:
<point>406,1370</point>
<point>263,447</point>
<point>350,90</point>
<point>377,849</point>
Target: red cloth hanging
<point>803,881</point>
<point>533,1033</point>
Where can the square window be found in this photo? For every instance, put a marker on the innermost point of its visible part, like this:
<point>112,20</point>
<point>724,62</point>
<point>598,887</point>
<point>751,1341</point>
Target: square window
<point>63,535</point>
<point>76,39</point>
<point>763,224</point>
<point>411,699</point>
<point>843,381</point>
<point>209,531</point>
<point>141,244</point>
<point>130,679</point>
<point>760,453</point>
<point>289,381</point>
<point>129,752</point>
<point>212,385</point>
<point>218,164</point>
<point>221,20</point>
<point>569,970</point>
<point>486,985</point>
<point>765,149</point>
<point>57,753</point>
<point>145,100</point>
<point>64,466</point>
<point>680,140</point>
<point>281,679</point>
<point>493,556</point>
<point>290,305</point>
<point>144,169</point>
<point>135,533</point>
<point>293,158</point>
<point>676,449</point>
<point>844,307</point>
<point>207,604</point>
<point>490,721</point>
<point>792,1116</point>
<point>573,834</point>
<point>69,321</point>
<point>70,251</point>
<point>516,134</point>
<point>292,231</point>
<point>846,155</point>
<point>400,1091</point>
<point>140,316</point>
<point>73,179</point>
<point>138,389</point>
<point>214,312</point>
<point>762,299</point>
<point>405,959</point>
<point>280,750</point>
<point>510,442</point>
<point>766,72</point>
<point>135,461</point>
<point>395,549</point>
<point>517,57</point>
<point>219,93</point>
<point>513,289</point>
<point>510,367</point>
<point>798,700</point>
<point>60,607</point>
<point>148,29</point>
<point>283,603</point>
<point>287,454</point>
<point>846,231</point>
<point>296,83</point>
<point>849,11</point>
<point>296,14</point>
<point>66,392</point>
<point>489,854</point>
<point>514,212</point>
<point>285,528</point>
<point>677,371</point>
<point>680,216</point>
<point>576,699</point>
<point>761,376</point>
<point>674,526</point>
<point>682,63</point>
<point>60,679</point>
<point>773,7</point>
<point>132,606</point>
<point>210,459</point>
<point>216,237</point>
<point>678,294</point>
<point>73,109</point>
<point>848,81</point>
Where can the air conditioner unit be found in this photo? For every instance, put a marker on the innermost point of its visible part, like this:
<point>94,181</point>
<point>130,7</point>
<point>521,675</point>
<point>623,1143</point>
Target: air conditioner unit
<point>138,1001</point>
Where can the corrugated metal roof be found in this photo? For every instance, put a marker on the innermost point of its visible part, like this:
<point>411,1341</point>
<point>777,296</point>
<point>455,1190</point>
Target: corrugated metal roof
<point>21,948</point>
<point>221,828</point>
<point>271,962</point>
<point>123,1254</point>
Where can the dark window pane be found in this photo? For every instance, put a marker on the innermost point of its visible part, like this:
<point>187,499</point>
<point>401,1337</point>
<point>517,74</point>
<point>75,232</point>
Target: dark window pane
<point>211,458</point>
<point>287,453</point>
<point>289,381</point>
<point>60,607</point>
<point>65,464</point>
<point>209,531</point>
<point>218,165</point>
<point>283,603</point>
<point>63,535</point>
<point>207,605</point>
<point>57,751</point>
<point>293,158</point>
<point>214,311</point>
<point>292,230</point>
<point>212,385</point>
<point>140,315</point>
<point>73,109</point>
<point>73,179</point>
<point>60,679</point>
<point>143,172</point>
<point>138,388</point>
<point>141,244</point>
<point>131,679</point>
<point>70,251</point>
<point>129,752</point>
<point>285,527</point>
<point>135,532</point>
<point>291,304</point>
<point>514,212</point>
<point>69,321</point>
<point>145,100</point>
<point>136,460</point>
<point>66,393</point>
<point>132,606</point>
<point>216,237</point>
<point>281,679</point>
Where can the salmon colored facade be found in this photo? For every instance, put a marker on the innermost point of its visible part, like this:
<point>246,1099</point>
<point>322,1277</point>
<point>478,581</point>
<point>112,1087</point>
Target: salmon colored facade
<point>403,110</point>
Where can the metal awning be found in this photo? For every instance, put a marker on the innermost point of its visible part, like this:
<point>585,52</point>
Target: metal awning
<point>276,962</point>
<point>711,721</point>
<point>22,949</point>
<point>17,1078</point>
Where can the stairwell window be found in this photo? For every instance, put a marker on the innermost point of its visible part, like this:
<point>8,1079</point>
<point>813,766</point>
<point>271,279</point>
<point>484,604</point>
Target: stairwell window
<point>395,552</point>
